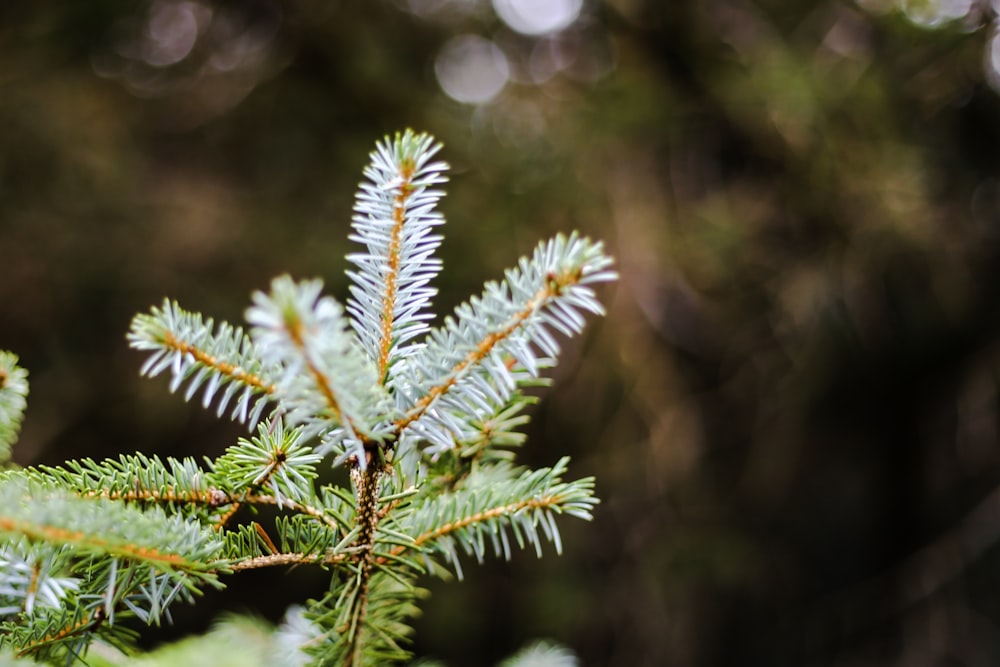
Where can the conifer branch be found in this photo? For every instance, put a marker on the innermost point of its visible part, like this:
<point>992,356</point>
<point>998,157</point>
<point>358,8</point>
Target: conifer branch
<point>287,559</point>
<point>327,386</point>
<point>13,395</point>
<point>194,353</point>
<point>491,504</point>
<point>206,360</point>
<point>393,261</point>
<point>367,482</point>
<point>480,352</point>
<point>545,502</point>
<point>178,486</point>
<point>33,577</point>
<point>81,627</point>
<point>209,498</point>
<point>424,426</point>
<point>275,460</point>
<point>393,217</point>
<point>100,527</point>
<point>293,327</point>
<point>392,275</point>
<point>463,369</point>
<point>82,541</point>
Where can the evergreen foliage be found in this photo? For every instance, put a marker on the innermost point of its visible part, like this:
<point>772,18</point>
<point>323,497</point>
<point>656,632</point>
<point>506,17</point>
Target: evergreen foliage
<point>423,418</point>
<point>13,394</point>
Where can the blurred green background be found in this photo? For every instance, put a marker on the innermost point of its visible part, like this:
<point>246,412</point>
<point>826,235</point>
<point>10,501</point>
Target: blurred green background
<point>792,405</point>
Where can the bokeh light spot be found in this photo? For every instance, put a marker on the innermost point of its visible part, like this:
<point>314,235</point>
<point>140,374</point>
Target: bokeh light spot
<point>471,69</point>
<point>538,17</point>
<point>993,61</point>
<point>933,13</point>
<point>172,32</point>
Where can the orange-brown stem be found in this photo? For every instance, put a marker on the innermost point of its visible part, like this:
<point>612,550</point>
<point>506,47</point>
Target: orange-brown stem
<point>206,359</point>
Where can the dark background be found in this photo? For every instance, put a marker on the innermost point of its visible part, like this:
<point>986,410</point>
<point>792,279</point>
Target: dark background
<point>792,405</point>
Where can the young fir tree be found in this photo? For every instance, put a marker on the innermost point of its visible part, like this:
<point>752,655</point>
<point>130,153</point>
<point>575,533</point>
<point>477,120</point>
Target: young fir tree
<point>423,418</point>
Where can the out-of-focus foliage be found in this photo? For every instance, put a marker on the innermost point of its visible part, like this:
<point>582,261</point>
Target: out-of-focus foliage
<point>792,406</point>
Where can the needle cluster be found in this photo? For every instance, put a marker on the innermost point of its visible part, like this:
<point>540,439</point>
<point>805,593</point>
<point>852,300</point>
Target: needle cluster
<point>424,419</point>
